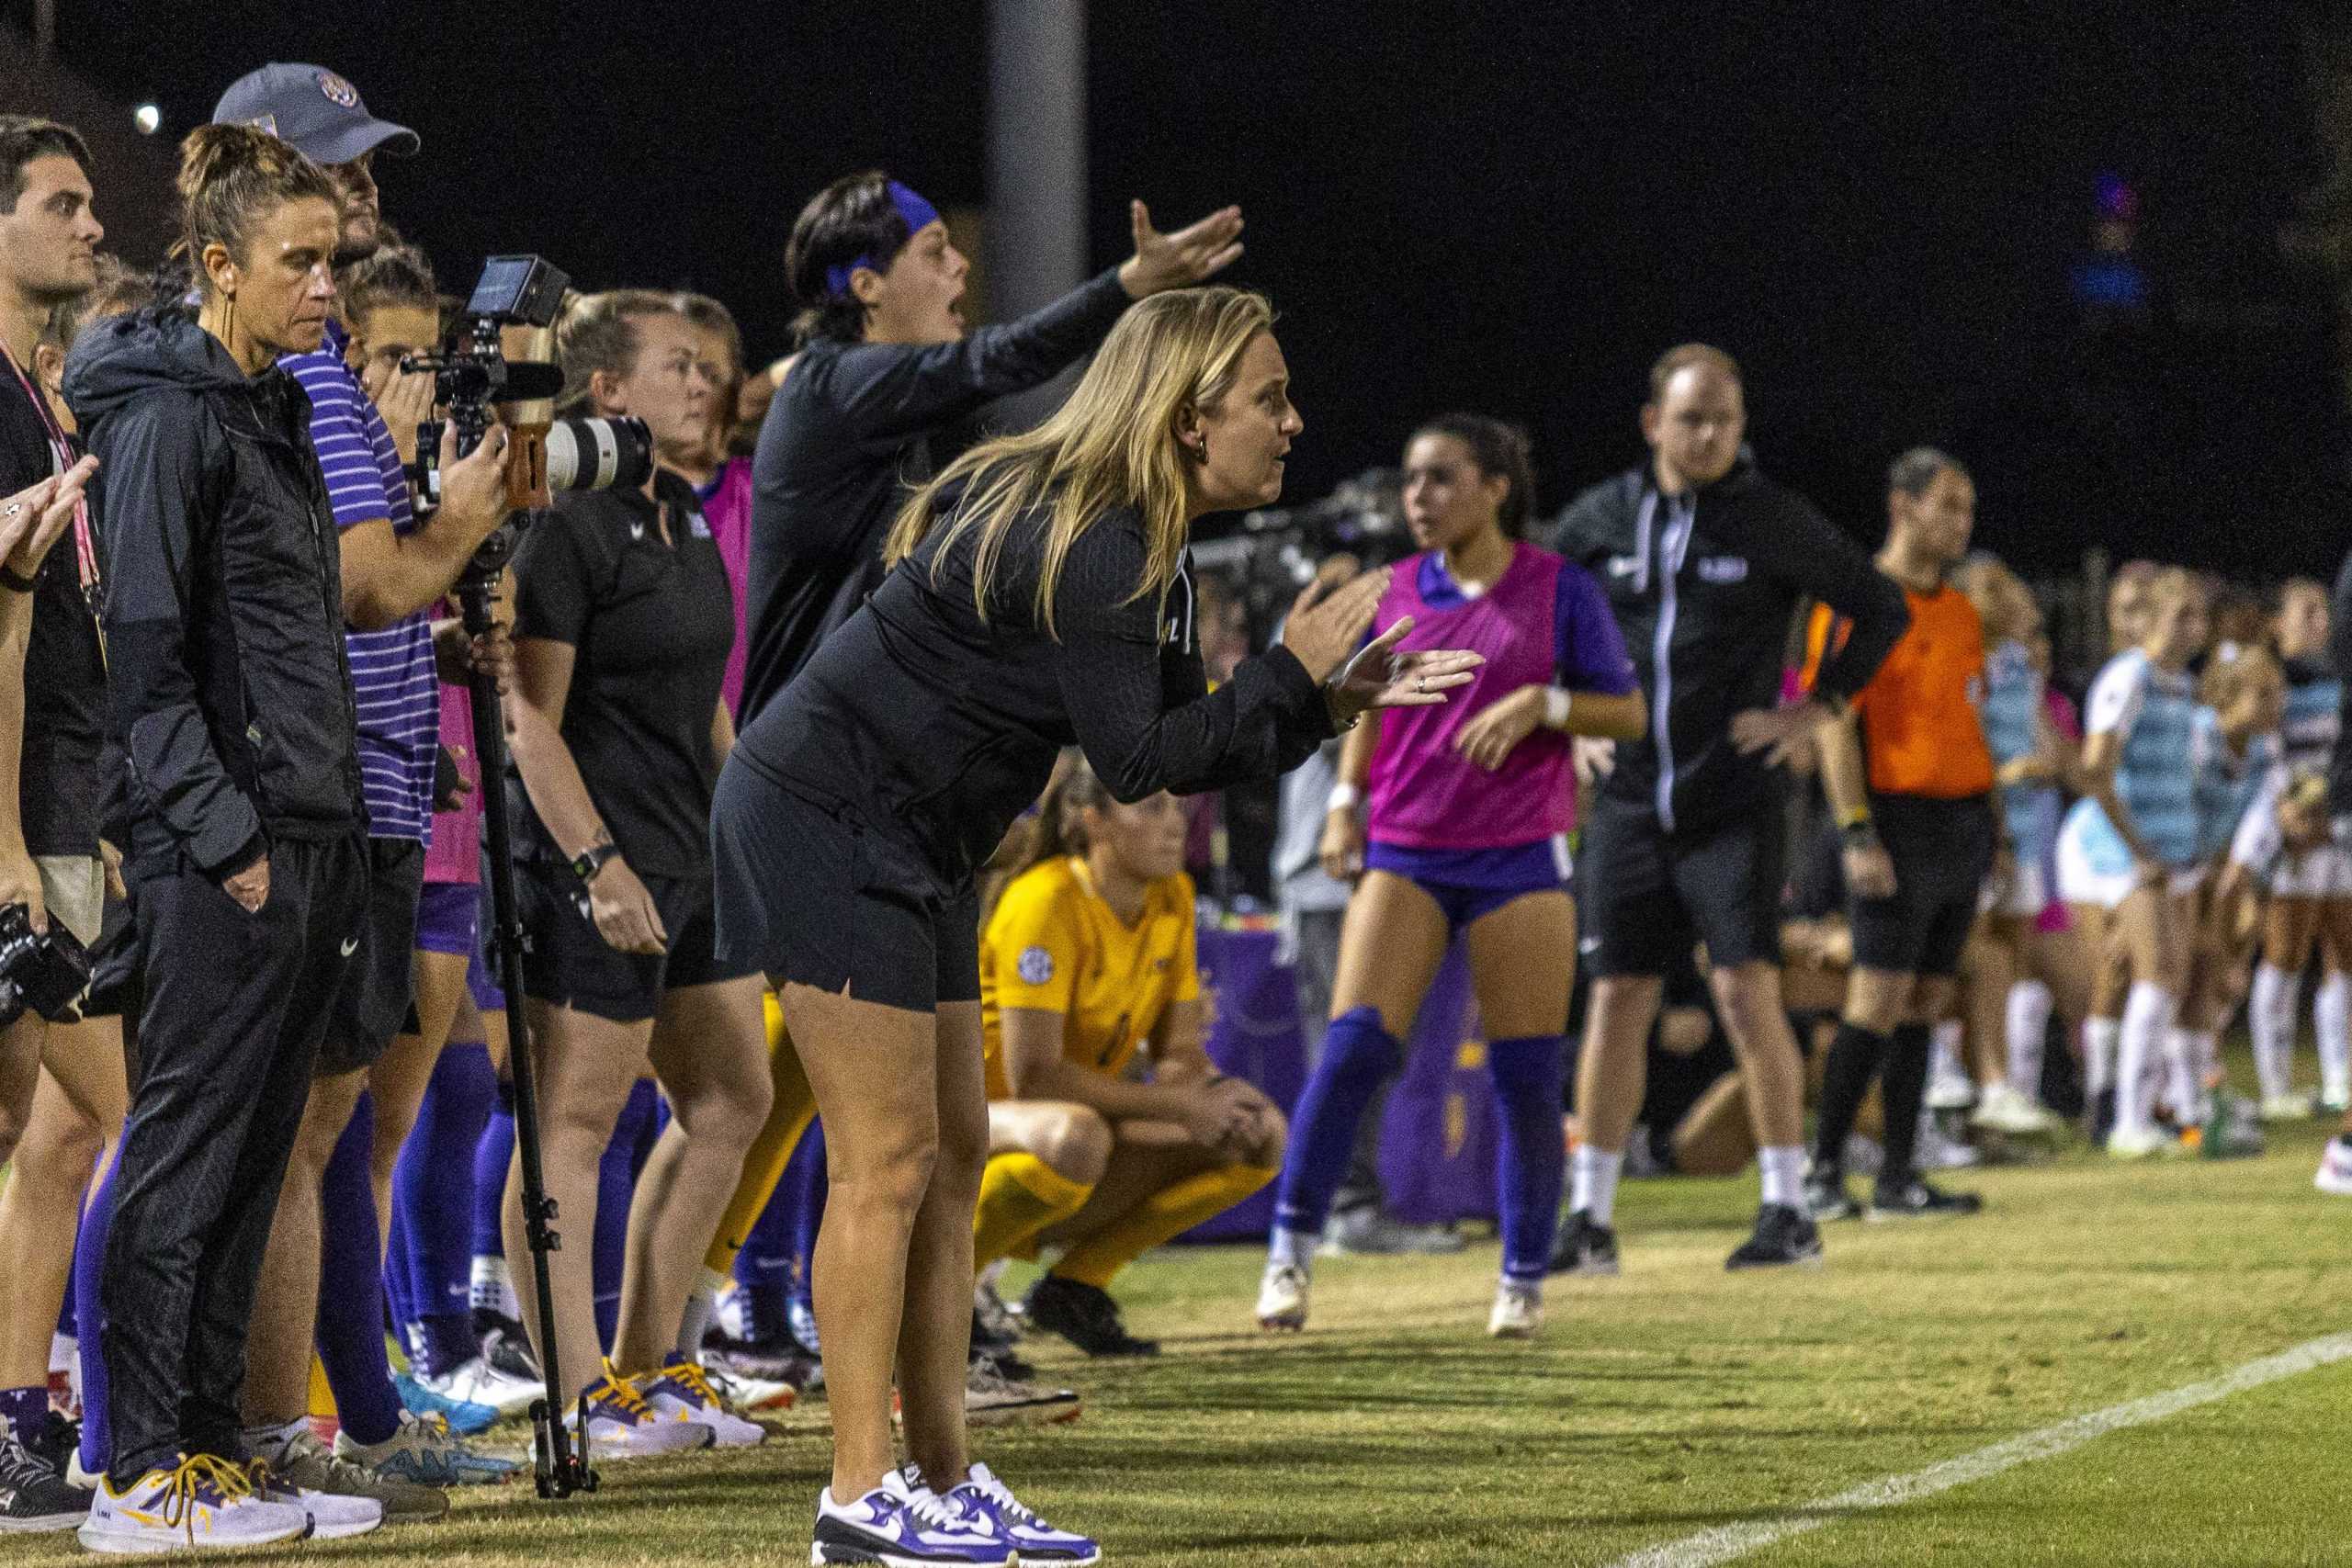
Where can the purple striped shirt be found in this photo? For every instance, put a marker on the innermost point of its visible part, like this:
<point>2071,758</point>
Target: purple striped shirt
<point>393,680</point>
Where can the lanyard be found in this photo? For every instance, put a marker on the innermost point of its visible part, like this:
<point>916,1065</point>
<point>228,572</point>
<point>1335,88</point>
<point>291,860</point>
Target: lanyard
<point>86,549</point>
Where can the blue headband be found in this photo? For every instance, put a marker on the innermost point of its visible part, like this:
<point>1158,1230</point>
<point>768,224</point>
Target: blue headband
<point>918,214</point>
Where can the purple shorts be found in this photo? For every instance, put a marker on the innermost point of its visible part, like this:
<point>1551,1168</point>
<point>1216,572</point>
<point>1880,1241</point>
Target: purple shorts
<point>449,919</point>
<point>1468,884</point>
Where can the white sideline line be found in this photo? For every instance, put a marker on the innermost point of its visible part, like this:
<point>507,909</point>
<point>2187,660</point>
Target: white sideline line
<point>1727,1541</point>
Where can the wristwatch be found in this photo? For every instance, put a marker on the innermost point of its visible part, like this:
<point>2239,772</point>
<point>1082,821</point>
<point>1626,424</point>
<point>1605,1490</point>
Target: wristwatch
<point>590,861</point>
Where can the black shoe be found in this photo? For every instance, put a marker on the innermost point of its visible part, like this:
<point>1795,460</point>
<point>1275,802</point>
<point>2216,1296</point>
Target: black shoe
<point>1007,1364</point>
<point>1915,1200</point>
<point>34,1498</point>
<point>505,1346</point>
<point>1783,1235</point>
<point>784,1360</point>
<point>55,1444</point>
<point>1584,1248</point>
<point>1086,1316</point>
<point>987,1338</point>
<point>1827,1199</point>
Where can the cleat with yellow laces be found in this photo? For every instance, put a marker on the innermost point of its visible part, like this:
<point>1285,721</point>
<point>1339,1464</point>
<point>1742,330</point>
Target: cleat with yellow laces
<point>206,1504</point>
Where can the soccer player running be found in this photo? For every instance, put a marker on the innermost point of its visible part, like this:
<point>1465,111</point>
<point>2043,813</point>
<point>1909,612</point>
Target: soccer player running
<point>1040,597</point>
<point>1909,778</point>
<point>1087,960</point>
<point>2133,846</point>
<point>1470,806</point>
<point>2283,847</point>
<point>1705,560</point>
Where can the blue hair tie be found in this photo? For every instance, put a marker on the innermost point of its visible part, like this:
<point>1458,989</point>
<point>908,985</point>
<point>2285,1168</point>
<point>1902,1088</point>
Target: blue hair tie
<point>918,214</point>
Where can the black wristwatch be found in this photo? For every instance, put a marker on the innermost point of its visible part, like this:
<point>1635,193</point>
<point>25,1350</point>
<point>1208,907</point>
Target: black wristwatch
<point>590,861</point>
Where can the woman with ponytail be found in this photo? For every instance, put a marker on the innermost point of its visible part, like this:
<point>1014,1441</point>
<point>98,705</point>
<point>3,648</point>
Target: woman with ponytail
<point>246,855</point>
<point>1087,960</point>
<point>1039,596</point>
<point>1469,807</point>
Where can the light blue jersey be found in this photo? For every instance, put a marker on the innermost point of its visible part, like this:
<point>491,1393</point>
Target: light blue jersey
<point>2011,712</point>
<point>2312,718</point>
<point>2153,713</point>
<point>2227,782</point>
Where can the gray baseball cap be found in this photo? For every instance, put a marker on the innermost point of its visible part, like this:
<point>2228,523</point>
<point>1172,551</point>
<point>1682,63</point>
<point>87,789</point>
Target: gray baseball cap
<point>313,109</point>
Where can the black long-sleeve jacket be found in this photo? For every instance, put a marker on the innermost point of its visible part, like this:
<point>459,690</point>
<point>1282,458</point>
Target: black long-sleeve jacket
<point>942,728</point>
<point>228,687</point>
<point>1705,587</point>
<point>850,429</point>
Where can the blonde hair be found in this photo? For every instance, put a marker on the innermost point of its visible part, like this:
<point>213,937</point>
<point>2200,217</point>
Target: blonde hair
<point>2004,603</point>
<point>598,332</point>
<point>2225,680</point>
<point>1112,444</point>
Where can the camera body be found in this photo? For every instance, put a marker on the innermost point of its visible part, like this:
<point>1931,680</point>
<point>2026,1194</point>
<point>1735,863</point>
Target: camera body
<point>44,971</point>
<point>474,379</point>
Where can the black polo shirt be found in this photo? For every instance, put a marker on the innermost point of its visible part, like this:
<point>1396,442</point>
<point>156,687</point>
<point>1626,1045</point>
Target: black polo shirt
<point>59,788</point>
<point>652,622</point>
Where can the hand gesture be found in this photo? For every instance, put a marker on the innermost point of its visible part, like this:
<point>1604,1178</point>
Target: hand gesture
<point>1342,849</point>
<point>624,912</point>
<point>1783,734</point>
<point>405,399</point>
<point>1179,260</point>
<point>1596,758</point>
<point>33,519</point>
<point>1869,871</point>
<point>1491,734</point>
<point>1380,677</point>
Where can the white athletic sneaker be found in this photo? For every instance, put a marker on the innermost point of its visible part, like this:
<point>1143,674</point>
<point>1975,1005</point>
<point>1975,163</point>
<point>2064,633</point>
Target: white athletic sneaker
<point>621,1425</point>
<point>1282,1297</point>
<point>1035,1542</point>
<point>479,1382</point>
<point>206,1504</point>
<point>2140,1145</point>
<point>1935,1151</point>
<point>2335,1099</point>
<point>680,1390</point>
<point>2334,1175</point>
<point>2285,1108</point>
<point>2006,1109</point>
<point>1519,1312</point>
<point>899,1527</point>
<point>1951,1090</point>
<point>334,1516</point>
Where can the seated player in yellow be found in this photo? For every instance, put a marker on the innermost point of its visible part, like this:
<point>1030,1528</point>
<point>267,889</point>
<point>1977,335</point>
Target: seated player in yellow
<point>1087,961</point>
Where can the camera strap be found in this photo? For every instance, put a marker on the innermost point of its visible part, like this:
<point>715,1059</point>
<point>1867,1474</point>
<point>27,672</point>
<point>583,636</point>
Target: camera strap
<point>85,545</point>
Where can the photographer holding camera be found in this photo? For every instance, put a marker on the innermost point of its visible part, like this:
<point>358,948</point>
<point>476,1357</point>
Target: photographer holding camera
<point>52,692</point>
<point>394,568</point>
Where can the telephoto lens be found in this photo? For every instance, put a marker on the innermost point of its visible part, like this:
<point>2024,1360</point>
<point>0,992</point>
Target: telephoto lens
<point>598,454</point>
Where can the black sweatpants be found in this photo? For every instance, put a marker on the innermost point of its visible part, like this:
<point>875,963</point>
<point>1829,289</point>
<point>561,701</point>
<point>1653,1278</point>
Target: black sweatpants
<point>235,1008</point>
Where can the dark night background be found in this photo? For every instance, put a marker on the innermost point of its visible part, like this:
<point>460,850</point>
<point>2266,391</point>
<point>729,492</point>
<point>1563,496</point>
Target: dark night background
<point>1510,208</point>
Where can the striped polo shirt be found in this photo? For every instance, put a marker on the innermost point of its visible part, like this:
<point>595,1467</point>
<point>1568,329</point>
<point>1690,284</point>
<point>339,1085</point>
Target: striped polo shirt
<point>394,679</point>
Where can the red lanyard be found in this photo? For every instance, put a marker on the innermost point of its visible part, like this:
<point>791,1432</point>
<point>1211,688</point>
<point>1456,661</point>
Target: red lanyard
<point>86,547</point>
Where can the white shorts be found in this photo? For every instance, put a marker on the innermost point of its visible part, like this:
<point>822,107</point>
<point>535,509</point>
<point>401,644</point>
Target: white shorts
<point>2025,896</point>
<point>2323,871</point>
<point>2080,881</point>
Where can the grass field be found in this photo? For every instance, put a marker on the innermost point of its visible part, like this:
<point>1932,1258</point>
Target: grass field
<point>1672,1400</point>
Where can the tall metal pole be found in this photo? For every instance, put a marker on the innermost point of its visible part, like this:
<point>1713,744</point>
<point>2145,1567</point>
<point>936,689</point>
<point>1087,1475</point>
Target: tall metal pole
<point>1038,201</point>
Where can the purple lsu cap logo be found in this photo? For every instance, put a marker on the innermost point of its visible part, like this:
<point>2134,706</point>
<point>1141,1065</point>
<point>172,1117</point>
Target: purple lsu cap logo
<point>338,91</point>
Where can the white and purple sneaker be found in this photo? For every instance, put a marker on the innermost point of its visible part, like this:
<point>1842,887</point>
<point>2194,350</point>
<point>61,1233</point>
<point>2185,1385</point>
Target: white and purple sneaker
<point>1031,1536</point>
<point>904,1525</point>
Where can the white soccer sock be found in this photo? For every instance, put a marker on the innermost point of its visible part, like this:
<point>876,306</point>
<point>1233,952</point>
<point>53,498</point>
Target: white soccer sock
<point>2271,1019</point>
<point>695,1321</point>
<point>1782,1170</point>
<point>2181,1089</point>
<point>2332,1019</point>
<point>494,1287</point>
<point>1592,1184</point>
<point>2099,1052</point>
<point>2027,1029</point>
<point>1295,1248</point>
<point>2147,1014</point>
<point>1945,1063</point>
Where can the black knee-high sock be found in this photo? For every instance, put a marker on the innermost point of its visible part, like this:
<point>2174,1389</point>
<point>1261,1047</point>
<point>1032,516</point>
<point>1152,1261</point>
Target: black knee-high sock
<point>1854,1057</point>
<point>1904,1086</point>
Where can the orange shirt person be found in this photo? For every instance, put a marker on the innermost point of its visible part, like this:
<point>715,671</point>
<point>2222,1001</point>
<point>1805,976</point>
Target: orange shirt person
<point>1909,776</point>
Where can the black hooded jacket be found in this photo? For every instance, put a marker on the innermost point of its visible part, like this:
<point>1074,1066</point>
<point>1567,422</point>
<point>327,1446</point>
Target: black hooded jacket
<point>228,688</point>
<point>1705,588</point>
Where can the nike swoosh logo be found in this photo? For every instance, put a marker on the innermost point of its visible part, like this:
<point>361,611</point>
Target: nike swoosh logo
<point>350,945</point>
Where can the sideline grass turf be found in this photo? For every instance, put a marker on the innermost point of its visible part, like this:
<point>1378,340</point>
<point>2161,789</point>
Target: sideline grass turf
<point>1657,1405</point>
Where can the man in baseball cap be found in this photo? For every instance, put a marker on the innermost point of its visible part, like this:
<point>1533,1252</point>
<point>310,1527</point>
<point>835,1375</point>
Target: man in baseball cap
<point>322,116</point>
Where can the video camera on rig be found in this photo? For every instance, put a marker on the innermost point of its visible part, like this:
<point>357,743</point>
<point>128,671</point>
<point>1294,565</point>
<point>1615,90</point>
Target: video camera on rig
<point>473,378</point>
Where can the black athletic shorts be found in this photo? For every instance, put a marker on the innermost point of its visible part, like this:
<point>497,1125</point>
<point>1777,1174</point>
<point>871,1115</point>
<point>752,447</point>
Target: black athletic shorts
<point>379,978</point>
<point>1942,851</point>
<point>1647,895</point>
<point>809,892</point>
<point>571,964</point>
